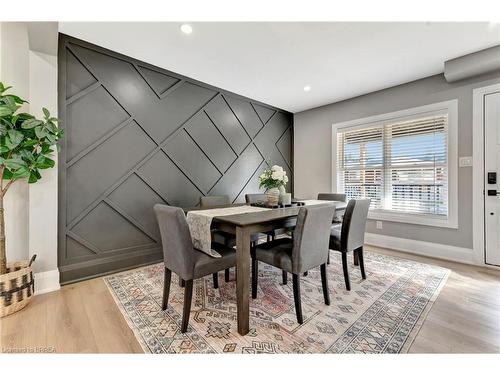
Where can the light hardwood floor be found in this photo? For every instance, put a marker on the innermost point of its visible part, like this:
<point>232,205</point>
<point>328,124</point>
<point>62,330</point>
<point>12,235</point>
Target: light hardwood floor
<point>83,318</point>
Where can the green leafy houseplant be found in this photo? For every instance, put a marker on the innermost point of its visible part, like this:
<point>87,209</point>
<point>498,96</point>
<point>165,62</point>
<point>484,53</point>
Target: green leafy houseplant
<point>26,146</point>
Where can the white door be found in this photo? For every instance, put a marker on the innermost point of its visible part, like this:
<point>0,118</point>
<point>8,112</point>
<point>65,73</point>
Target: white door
<point>492,177</point>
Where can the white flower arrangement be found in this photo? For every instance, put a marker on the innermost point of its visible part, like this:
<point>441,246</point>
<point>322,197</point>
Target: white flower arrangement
<point>273,177</point>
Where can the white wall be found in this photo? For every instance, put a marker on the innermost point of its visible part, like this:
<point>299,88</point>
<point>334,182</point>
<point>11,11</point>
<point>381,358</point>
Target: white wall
<point>15,72</point>
<point>43,194</point>
<point>31,210</point>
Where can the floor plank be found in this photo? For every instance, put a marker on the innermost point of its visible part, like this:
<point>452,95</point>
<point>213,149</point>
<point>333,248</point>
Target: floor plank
<point>83,317</point>
<point>79,318</point>
<point>466,316</point>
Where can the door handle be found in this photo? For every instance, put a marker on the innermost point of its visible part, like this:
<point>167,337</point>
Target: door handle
<point>493,192</point>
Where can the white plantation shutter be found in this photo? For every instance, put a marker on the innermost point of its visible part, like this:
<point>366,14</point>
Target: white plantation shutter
<point>400,164</point>
<point>360,163</point>
<point>416,159</point>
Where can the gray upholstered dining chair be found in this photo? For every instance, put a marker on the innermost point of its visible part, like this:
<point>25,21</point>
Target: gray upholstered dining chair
<point>306,250</point>
<point>271,235</point>
<point>260,198</point>
<point>350,236</point>
<point>339,197</point>
<point>228,239</point>
<point>180,257</point>
<point>214,200</point>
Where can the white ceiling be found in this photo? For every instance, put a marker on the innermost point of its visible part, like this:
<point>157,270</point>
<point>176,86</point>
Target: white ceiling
<point>272,62</point>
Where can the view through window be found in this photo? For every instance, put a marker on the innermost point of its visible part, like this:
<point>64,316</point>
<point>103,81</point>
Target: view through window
<point>400,164</point>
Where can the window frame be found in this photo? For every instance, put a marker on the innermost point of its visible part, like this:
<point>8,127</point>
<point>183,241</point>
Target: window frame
<point>450,107</point>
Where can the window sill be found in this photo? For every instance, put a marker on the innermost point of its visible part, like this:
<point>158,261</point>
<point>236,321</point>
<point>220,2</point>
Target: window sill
<point>427,220</point>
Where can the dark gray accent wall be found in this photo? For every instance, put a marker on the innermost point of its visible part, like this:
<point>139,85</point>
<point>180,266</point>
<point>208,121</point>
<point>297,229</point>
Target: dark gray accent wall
<point>137,135</point>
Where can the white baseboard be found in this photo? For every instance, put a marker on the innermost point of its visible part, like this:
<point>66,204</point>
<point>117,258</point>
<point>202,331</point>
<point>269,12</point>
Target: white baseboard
<point>430,249</point>
<point>47,281</point>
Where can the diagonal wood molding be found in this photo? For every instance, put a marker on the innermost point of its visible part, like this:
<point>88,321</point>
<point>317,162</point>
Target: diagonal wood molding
<point>137,135</point>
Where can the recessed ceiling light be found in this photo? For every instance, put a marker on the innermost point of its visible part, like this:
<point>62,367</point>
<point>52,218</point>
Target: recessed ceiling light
<point>186,29</point>
<point>307,88</point>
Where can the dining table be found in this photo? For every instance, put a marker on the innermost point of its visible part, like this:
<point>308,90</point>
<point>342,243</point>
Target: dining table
<point>243,225</point>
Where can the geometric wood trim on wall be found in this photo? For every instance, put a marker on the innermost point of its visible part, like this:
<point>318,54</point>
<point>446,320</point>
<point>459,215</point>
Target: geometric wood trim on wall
<point>136,135</point>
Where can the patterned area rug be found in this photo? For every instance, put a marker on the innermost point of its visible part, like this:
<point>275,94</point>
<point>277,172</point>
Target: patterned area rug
<point>381,314</point>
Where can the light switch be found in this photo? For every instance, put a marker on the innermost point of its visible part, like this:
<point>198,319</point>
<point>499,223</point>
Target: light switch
<point>465,161</point>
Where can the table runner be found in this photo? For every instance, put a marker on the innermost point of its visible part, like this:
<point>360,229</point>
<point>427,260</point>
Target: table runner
<point>200,221</point>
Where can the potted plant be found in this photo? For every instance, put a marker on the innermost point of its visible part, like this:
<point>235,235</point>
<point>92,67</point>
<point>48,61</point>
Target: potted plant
<point>26,147</point>
<point>274,180</point>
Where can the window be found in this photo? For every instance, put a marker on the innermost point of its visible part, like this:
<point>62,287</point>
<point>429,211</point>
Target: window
<point>405,162</point>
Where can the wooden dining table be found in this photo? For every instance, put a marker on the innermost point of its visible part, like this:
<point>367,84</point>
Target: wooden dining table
<point>243,226</point>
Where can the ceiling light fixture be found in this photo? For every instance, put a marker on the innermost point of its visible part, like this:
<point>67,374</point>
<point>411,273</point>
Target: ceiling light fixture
<point>307,88</point>
<point>186,28</point>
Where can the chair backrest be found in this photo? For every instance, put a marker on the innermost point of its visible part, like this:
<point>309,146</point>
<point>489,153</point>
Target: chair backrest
<point>255,198</point>
<point>332,197</point>
<point>354,224</point>
<point>311,237</point>
<point>178,251</point>
<point>214,200</point>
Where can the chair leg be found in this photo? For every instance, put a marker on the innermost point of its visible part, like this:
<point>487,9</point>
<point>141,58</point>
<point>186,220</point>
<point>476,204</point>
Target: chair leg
<point>356,258</point>
<point>255,277</point>
<point>346,271</point>
<point>166,288</point>
<point>284,276</point>
<point>182,283</point>
<point>296,297</point>
<point>328,259</point>
<point>324,284</point>
<point>361,262</point>
<point>268,238</point>
<point>216,280</point>
<point>188,295</point>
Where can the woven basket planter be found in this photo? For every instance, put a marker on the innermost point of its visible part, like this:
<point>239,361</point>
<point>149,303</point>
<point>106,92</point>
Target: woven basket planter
<point>17,287</point>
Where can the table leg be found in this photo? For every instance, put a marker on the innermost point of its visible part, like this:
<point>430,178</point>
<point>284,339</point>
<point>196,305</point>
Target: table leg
<point>242,278</point>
